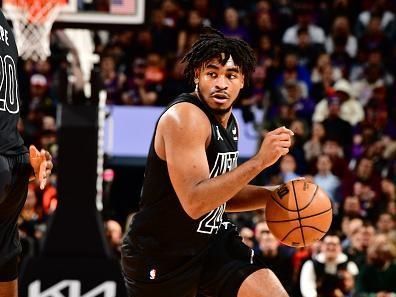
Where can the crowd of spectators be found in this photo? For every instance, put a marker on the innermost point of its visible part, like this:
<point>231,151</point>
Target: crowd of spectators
<point>325,69</point>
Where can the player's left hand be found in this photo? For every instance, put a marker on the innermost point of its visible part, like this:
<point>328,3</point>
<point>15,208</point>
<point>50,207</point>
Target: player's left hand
<point>41,162</point>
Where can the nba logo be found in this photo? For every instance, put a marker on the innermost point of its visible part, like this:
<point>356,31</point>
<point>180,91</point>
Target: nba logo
<point>153,273</point>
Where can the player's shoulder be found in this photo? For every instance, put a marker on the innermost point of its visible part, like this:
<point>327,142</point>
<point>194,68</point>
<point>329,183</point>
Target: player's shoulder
<point>7,38</point>
<point>2,13</point>
<point>3,20</point>
<point>185,114</point>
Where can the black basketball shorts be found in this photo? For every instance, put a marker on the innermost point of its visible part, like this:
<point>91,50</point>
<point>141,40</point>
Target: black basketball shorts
<point>14,179</point>
<point>217,272</point>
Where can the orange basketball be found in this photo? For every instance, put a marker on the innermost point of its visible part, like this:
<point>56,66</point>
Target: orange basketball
<point>299,213</point>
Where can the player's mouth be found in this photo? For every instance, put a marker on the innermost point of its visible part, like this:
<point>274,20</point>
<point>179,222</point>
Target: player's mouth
<point>219,97</point>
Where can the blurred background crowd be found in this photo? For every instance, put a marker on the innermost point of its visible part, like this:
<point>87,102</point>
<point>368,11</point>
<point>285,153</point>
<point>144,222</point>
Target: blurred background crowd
<point>325,69</point>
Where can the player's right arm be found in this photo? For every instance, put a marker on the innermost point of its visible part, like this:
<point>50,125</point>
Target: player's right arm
<point>183,134</point>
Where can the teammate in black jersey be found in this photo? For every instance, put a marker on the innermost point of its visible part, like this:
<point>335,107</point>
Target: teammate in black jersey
<point>180,244</point>
<point>16,167</point>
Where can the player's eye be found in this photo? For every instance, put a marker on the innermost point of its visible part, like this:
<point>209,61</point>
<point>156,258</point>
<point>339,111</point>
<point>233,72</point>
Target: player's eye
<point>212,74</point>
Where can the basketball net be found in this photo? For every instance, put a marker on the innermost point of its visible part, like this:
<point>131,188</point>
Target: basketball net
<point>32,21</point>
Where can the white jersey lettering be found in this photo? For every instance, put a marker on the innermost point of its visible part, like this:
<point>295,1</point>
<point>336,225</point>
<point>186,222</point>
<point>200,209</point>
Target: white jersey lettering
<point>8,85</point>
<point>211,222</point>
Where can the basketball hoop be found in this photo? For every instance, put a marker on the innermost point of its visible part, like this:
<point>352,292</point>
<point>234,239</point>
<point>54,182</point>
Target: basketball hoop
<point>32,21</point>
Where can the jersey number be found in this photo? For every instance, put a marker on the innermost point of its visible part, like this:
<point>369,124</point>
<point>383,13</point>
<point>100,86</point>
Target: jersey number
<point>212,221</point>
<point>8,85</point>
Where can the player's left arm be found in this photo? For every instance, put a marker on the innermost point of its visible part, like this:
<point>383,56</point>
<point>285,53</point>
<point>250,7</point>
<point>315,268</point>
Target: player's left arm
<point>41,162</point>
<point>250,198</point>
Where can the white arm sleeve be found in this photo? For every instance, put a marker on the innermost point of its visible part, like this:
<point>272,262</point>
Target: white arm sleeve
<point>308,280</point>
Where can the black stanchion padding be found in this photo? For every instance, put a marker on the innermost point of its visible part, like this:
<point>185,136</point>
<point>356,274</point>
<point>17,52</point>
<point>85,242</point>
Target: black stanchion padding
<point>75,252</point>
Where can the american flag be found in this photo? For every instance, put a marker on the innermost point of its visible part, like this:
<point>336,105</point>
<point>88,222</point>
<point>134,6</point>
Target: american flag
<point>122,6</point>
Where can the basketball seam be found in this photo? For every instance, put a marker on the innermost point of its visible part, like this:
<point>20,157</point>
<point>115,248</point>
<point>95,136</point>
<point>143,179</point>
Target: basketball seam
<point>313,227</point>
<point>302,218</point>
<point>313,196</point>
<point>307,226</point>
<point>285,208</point>
<point>298,213</point>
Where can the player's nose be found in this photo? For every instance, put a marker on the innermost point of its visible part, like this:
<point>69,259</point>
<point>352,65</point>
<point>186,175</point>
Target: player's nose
<point>221,82</point>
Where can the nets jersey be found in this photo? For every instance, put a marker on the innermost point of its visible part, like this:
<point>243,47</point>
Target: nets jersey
<point>11,142</point>
<point>161,225</point>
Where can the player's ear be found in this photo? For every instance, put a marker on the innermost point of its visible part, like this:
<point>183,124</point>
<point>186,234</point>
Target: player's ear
<point>196,76</point>
<point>243,82</point>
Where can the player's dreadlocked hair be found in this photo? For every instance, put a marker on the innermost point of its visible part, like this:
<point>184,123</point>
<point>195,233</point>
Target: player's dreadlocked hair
<point>212,44</point>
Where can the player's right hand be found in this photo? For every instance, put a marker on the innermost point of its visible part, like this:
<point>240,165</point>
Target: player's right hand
<point>41,162</point>
<point>276,143</point>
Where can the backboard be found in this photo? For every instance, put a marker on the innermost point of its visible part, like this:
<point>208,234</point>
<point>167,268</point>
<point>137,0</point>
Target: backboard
<point>102,12</point>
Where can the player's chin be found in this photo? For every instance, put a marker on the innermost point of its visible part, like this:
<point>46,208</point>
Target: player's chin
<point>221,107</point>
<point>221,110</point>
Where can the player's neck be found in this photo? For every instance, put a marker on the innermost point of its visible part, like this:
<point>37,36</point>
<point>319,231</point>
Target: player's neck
<point>223,119</point>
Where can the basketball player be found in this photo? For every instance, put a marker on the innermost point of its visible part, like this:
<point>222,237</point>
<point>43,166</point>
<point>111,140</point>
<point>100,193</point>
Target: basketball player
<point>180,244</point>
<point>16,168</point>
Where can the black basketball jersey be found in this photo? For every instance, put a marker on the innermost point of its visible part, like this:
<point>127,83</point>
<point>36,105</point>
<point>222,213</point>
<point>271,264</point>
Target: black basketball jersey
<point>161,225</point>
<point>11,142</point>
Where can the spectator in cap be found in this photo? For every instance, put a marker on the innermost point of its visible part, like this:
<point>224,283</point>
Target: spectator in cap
<point>350,109</point>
